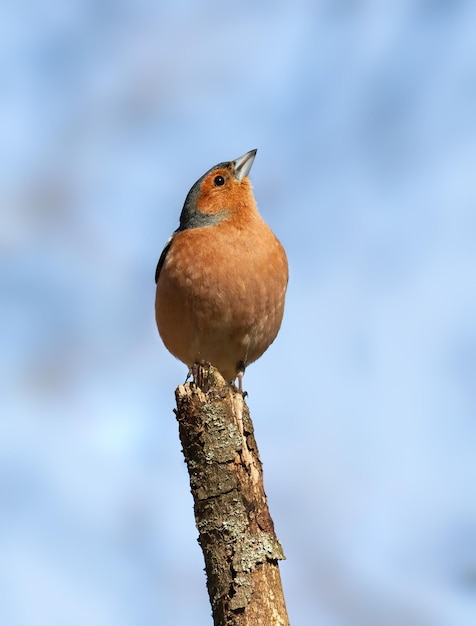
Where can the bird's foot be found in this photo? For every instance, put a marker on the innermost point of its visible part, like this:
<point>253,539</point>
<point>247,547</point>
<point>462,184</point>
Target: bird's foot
<point>196,372</point>
<point>241,372</point>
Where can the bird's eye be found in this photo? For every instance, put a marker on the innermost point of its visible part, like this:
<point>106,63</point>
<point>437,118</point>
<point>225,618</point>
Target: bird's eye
<point>218,181</point>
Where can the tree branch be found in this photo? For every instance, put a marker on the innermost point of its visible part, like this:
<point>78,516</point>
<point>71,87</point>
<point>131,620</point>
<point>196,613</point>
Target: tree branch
<point>236,532</point>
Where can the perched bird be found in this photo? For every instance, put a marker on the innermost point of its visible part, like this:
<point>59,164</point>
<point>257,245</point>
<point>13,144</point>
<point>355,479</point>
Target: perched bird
<point>222,276</point>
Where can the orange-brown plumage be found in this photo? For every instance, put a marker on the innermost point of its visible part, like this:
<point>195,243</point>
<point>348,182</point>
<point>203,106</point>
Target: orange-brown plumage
<point>222,278</point>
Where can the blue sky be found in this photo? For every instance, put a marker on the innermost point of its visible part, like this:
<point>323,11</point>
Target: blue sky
<point>364,408</point>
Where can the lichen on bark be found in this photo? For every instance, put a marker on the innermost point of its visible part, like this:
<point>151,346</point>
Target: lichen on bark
<point>236,532</point>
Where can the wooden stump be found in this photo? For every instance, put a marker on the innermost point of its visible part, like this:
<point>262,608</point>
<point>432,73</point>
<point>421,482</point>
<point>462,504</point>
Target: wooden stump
<point>236,532</point>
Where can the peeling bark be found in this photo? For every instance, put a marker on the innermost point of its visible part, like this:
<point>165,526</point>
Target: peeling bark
<point>236,532</point>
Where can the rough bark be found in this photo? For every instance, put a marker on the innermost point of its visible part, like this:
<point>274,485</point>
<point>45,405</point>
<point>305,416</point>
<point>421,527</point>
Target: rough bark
<point>236,532</point>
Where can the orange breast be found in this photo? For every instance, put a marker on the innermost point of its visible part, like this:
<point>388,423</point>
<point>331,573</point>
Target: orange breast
<point>220,294</point>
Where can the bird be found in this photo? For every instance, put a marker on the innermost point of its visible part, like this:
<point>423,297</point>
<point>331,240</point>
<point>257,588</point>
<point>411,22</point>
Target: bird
<point>221,279</point>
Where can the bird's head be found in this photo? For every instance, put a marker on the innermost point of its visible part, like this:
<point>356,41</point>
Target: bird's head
<point>220,192</point>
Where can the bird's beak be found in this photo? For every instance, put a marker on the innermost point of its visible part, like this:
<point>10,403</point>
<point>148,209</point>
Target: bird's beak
<point>242,165</point>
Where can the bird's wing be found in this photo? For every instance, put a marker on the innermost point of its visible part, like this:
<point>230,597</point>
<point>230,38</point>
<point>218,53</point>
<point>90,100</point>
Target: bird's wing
<point>162,257</point>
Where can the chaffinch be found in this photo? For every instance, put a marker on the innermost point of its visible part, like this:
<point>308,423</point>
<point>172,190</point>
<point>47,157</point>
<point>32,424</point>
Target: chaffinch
<point>222,276</point>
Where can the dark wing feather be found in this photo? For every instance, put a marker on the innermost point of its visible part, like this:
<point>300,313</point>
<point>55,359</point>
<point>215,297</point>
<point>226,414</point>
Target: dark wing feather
<point>162,258</point>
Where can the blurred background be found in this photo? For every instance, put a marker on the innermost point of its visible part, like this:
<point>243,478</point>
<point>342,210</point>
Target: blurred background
<point>363,113</point>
